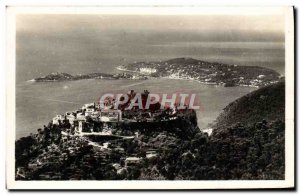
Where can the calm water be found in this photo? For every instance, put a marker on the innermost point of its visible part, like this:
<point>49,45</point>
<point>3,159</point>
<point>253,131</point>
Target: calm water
<point>41,55</point>
<point>38,103</point>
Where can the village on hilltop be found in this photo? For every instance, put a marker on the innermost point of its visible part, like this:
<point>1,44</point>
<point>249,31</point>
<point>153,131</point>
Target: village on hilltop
<point>116,136</point>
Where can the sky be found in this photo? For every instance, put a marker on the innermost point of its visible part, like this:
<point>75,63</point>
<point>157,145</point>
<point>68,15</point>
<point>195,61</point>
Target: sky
<point>98,43</point>
<point>232,28</point>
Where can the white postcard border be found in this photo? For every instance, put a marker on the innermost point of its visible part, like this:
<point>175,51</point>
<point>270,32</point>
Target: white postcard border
<point>217,184</point>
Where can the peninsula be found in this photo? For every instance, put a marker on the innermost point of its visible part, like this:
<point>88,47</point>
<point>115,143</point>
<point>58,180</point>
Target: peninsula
<point>56,76</point>
<point>206,72</point>
<point>211,73</point>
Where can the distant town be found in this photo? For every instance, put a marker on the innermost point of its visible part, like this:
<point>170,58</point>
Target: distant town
<point>183,68</point>
<point>206,72</point>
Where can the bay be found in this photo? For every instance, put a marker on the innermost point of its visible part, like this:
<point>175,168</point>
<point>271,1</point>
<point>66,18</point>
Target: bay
<point>37,103</point>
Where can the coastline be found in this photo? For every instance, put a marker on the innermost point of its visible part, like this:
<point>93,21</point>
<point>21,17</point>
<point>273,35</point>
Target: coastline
<point>185,79</point>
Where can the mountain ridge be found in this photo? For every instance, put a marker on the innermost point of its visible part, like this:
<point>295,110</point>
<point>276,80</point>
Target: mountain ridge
<point>267,103</point>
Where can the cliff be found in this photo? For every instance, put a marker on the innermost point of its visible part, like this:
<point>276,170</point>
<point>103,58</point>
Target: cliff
<point>247,143</point>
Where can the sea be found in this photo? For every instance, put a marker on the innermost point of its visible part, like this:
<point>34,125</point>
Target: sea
<point>38,102</point>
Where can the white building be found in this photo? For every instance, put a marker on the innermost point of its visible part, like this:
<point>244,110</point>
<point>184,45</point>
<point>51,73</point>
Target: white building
<point>80,116</point>
<point>261,76</point>
<point>151,154</point>
<point>58,118</point>
<point>132,161</point>
<point>148,70</point>
<point>95,115</point>
<point>71,119</point>
<point>89,105</point>
<point>89,111</point>
<point>111,115</point>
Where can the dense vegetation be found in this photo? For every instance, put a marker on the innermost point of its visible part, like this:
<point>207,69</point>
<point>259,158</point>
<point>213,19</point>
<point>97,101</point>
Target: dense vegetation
<point>238,152</point>
<point>248,146</point>
<point>265,103</point>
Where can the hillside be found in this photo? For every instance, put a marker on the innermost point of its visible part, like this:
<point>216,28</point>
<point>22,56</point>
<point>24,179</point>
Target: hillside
<point>53,154</point>
<point>247,143</point>
<point>216,73</point>
<point>267,103</point>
